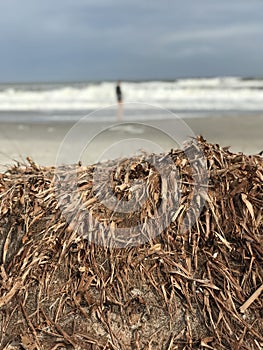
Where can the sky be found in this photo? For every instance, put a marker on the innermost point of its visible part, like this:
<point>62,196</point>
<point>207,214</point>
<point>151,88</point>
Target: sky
<point>84,40</point>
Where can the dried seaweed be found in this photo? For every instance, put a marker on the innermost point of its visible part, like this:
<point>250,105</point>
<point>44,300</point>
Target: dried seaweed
<point>63,285</point>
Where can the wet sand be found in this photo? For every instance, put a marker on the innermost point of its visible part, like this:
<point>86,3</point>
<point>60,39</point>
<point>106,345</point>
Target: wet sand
<point>43,142</point>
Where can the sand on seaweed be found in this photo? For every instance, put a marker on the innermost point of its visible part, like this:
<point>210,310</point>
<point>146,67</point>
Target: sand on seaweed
<point>197,284</point>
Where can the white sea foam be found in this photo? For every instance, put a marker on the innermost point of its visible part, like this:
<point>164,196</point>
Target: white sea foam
<point>185,95</point>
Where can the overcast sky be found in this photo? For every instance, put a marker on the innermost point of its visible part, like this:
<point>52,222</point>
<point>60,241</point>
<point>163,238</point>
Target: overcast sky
<point>72,40</point>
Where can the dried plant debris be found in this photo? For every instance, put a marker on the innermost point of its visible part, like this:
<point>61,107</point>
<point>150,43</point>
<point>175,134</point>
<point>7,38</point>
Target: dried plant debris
<point>197,284</point>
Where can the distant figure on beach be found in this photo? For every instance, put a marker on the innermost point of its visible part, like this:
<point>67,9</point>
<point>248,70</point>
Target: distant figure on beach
<point>119,99</point>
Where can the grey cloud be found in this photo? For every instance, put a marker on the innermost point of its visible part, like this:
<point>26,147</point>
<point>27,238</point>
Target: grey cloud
<point>215,33</point>
<point>105,39</point>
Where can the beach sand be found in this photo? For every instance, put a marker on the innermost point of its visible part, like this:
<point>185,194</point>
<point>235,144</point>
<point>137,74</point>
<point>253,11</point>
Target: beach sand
<point>42,142</point>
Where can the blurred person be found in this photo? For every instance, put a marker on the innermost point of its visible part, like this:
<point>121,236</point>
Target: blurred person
<point>119,100</point>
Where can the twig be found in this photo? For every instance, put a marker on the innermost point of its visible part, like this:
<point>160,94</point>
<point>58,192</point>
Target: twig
<point>251,299</point>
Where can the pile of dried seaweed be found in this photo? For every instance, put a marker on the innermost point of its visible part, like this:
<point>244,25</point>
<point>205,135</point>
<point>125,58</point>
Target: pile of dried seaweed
<point>65,285</point>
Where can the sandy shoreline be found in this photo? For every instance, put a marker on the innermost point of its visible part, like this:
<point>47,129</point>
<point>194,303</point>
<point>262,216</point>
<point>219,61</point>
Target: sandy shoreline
<point>42,141</point>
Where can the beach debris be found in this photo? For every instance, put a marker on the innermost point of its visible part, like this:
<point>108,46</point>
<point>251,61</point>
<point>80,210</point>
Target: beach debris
<point>64,284</point>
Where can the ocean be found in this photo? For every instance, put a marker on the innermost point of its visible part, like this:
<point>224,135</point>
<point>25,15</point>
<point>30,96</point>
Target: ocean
<point>61,102</point>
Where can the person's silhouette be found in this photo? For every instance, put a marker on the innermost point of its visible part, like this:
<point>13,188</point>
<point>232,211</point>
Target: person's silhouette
<point>119,100</point>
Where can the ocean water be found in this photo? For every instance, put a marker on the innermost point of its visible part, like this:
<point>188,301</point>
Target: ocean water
<point>143,100</point>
